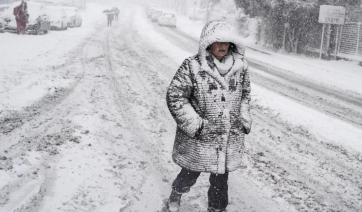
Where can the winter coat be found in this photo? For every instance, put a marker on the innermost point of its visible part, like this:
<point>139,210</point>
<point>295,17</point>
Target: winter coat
<point>110,16</point>
<point>20,15</point>
<point>211,111</point>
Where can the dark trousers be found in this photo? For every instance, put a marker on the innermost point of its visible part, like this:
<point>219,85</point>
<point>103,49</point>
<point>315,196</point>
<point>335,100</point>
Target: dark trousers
<point>218,190</point>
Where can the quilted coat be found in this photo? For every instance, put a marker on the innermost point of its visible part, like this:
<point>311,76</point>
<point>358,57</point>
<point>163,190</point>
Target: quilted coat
<point>211,111</point>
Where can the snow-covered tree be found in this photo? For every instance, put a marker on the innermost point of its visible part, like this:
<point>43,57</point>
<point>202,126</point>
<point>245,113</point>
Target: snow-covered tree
<point>299,16</point>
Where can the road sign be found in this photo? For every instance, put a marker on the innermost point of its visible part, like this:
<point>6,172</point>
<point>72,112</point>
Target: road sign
<point>332,14</point>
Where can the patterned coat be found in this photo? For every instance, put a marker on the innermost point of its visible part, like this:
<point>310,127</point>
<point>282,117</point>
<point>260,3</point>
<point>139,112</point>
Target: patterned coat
<point>211,111</point>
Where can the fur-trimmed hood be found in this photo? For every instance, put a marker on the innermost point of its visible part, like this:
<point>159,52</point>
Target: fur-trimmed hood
<point>219,31</point>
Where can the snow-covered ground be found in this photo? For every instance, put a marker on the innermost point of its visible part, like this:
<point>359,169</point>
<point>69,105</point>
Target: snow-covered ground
<point>31,66</point>
<point>84,125</point>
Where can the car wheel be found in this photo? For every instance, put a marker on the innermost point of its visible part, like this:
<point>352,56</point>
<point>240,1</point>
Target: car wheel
<point>37,31</point>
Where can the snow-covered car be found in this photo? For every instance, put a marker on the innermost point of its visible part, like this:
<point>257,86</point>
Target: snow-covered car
<point>168,19</point>
<point>197,14</point>
<point>3,22</point>
<point>38,18</point>
<point>155,15</point>
<point>7,19</point>
<point>74,18</point>
<point>58,18</point>
<point>3,8</point>
<point>151,11</point>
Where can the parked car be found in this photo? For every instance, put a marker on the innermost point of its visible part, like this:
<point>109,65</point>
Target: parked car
<point>74,19</point>
<point>155,15</point>
<point>151,11</point>
<point>168,19</point>
<point>38,18</point>
<point>58,18</point>
<point>3,23</point>
<point>197,14</point>
<point>7,19</point>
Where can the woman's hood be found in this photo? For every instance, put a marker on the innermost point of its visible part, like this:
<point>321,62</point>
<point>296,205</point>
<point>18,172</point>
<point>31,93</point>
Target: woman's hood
<point>219,31</point>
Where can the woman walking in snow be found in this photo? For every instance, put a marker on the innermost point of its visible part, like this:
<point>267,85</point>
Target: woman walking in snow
<point>209,100</point>
<point>21,17</point>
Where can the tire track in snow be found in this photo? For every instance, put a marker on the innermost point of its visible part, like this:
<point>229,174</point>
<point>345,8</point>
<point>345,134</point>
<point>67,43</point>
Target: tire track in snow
<point>139,85</point>
<point>43,135</point>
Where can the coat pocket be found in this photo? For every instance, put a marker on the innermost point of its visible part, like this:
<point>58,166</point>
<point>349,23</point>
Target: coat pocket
<point>208,131</point>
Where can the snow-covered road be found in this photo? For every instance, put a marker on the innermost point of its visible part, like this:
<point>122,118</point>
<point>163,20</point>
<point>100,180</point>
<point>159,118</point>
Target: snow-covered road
<point>103,142</point>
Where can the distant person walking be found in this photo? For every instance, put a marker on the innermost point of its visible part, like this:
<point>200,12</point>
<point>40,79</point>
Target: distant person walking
<point>110,17</point>
<point>116,13</point>
<point>21,17</point>
<point>209,99</point>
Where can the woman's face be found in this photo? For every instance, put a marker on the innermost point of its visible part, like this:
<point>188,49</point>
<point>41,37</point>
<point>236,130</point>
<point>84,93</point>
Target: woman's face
<point>220,49</point>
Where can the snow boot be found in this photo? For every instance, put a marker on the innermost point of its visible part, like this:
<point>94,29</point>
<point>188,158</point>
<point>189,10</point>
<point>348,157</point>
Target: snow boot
<point>173,203</point>
<point>215,210</point>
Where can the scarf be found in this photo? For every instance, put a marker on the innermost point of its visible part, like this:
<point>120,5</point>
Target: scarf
<point>225,64</point>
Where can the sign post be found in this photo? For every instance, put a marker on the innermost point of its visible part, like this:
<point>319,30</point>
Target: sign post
<point>329,14</point>
<point>320,51</point>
